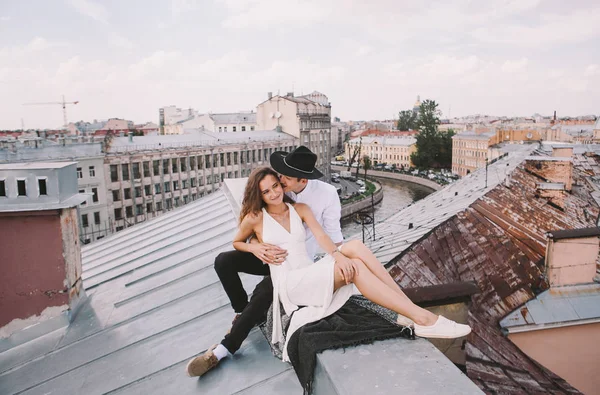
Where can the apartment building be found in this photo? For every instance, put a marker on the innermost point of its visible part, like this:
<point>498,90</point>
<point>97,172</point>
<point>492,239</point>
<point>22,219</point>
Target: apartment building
<point>146,176</point>
<point>384,150</point>
<point>470,151</point>
<point>307,118</point>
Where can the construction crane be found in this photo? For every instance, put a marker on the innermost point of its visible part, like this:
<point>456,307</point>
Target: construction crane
<point>63,103</point>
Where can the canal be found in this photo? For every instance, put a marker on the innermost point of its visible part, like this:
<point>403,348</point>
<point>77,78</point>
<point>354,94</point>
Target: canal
<point>396,195</point>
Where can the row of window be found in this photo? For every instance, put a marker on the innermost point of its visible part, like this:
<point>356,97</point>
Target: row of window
<point>185,163</point>
<point>91,172</point>
<point>94,196</point>
<point>85,222</point>
<point>234,128</point>
<point>155,206</point>
<point>176,185</point>
<point>21,187</point>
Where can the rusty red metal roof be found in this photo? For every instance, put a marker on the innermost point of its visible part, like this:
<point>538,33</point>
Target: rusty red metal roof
<point>498,242</point>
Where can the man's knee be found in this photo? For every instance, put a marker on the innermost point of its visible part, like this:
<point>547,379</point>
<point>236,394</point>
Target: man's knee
<point>223,262</point>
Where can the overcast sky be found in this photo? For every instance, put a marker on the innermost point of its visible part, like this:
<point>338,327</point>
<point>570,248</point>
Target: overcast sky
<point>127,58</point>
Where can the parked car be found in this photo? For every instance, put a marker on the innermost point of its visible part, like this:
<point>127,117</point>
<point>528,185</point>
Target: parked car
<point>362,189</point>
<point>335,179</point>
<point>360,182</point>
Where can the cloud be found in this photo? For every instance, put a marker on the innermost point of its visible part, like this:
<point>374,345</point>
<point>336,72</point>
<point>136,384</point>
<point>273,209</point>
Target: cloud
<point>119,41</point>
<point>4,18</point>
<point>91,9</point>
<point>553,29</point>
<point>181,7</point>
<point>592,70</point>
<point>512,66</point>
<point>363,50</point>
<point>263,14</point>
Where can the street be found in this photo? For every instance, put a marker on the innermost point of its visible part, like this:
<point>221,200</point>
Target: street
<point>348,187</point>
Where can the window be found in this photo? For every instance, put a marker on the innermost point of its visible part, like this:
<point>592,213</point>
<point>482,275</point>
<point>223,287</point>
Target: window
<point>147,190</point>
<point>158,206</point>
<point>234,129</point>
<point>174,165</point>
<point>194,196</point>
<point>85,201</point>
<point>185,199</point>
<point>165,166</point>
<point>92,171</point>
<point>192,182</point>
<point>183,165</point>
<point>157,188</point>
<point>125,171</point>
<point>175,185</point>
<point>184,184</point>
<point>79,173</point>
<point>220,129</point>
<point>136,171</point>
<point>251,127</point>
<point>95,195</point>
<point>118,213</point>
<point>156,167</point>
<point>84,220</point>
<point>192,163</point>
<point>149,207</point>
<point>243,128</point>
<point>2,188</point>
<point>119,228</point>
<point>139,209</point>
<point>207,161</point>
<point>229,159</point>
<point>97,218</point>
<point>21,188</point>
<point>146,169</point>
<point>235,158</point>
<point>138,192</point>
<point>42,187</point>
<point>167,186</point>
<point>169,204</point>
<point>222,160</point>
<point>114,173</point>
<point>128,211</point>
<point>177,201</point>
<point>200,181</point>
<point>224,128</point>
<point>127,193</point>
<point>116,195</point>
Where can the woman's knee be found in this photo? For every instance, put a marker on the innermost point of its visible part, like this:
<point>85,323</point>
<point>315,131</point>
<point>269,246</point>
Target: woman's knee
<point>352,247</point>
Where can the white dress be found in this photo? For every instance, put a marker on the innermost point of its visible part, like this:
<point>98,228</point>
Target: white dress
<point>299,281</point>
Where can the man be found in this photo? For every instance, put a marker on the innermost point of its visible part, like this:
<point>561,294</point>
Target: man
<point>298,177</point>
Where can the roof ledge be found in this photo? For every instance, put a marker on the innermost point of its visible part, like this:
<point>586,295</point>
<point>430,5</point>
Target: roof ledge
<point>573,233</point>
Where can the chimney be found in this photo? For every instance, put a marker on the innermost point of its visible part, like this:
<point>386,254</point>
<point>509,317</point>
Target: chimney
<point>269,95</point>
<point>571,256</point>
<point>41,282</point>
<point>553,169</point>
<point>562,152</point>
<point>554,116</point>
<point>290,94</point>
<point>130,135</point>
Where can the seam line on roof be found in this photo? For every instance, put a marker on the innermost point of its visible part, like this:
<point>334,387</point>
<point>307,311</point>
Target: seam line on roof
<point>110,353</point>
<point>144,265</point>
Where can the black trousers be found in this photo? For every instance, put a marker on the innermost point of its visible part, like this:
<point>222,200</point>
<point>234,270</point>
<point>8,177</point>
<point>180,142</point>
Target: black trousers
<point>228,265</point>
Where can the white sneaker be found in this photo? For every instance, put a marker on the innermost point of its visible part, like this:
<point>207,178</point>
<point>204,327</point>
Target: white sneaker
<point>442,329</point>
<point>404,321</point>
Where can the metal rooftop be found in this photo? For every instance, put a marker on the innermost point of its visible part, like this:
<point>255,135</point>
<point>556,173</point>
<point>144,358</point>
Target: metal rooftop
<point>557,306</point>
<point>154,301</point>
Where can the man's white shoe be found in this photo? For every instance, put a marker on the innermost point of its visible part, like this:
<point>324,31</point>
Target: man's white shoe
<point>442,329</point>
<point>404,321</point>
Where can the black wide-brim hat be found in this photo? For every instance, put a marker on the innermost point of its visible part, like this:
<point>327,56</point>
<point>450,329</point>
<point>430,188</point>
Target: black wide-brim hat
<point>299,163</point>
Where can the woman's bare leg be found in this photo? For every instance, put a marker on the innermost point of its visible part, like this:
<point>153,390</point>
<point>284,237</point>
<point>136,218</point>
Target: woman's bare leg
<point>355,249</point>
<point>375,290</point>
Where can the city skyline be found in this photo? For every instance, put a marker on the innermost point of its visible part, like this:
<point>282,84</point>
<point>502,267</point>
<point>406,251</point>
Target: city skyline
<point>512,58</point>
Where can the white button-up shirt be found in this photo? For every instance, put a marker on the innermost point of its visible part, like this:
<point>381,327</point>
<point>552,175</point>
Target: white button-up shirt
<point>324,202</point>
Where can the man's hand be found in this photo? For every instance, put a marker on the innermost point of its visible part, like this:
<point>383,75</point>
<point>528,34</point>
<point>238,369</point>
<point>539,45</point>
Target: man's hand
<point>346,267</point>
<point>269,253</point>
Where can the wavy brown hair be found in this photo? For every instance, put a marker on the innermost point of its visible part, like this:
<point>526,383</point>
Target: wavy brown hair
<point>253,201</point>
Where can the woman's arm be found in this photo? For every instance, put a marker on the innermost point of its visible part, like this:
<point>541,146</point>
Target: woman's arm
<point>344,264</point>
<point>267,253</point>
<point>246,230</point>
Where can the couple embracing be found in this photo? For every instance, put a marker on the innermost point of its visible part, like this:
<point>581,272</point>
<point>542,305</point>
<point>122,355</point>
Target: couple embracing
<point>290,233</point>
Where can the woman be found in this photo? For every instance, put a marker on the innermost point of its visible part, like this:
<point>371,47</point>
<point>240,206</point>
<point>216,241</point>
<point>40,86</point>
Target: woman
<point>322,287</point>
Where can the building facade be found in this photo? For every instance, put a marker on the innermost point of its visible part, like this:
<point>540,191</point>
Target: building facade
<point>147,178</point>
<point>217,123</point>
<point>307,118</point>
<point>392,151</point>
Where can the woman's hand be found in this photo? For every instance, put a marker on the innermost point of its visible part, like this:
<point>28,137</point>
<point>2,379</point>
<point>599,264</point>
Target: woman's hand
<point>345,266</point>
<point>269,253</point>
